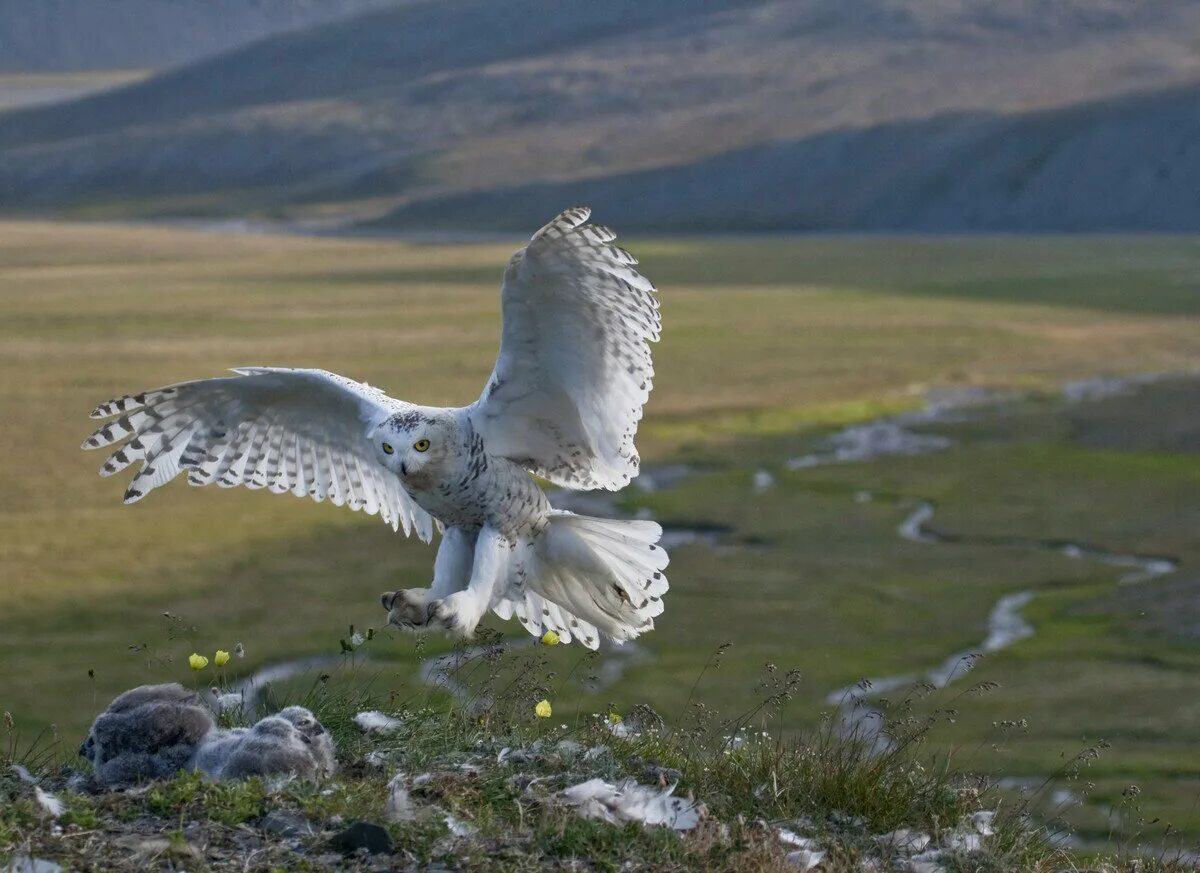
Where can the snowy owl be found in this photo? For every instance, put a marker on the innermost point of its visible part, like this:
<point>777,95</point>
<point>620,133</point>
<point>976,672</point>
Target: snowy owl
<point>562,403</point>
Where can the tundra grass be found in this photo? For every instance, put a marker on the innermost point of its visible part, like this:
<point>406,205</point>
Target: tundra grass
<point>769,343</point>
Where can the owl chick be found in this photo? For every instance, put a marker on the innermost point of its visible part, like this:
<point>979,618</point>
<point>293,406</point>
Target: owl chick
<point>149,732</point>
<point>290,743</point>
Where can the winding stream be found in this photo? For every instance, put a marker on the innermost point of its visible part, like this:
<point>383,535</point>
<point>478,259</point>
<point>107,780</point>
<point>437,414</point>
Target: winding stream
<point>1005,624</point>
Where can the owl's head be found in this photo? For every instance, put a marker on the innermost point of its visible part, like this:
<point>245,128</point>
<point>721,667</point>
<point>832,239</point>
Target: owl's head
<point>417,445</point>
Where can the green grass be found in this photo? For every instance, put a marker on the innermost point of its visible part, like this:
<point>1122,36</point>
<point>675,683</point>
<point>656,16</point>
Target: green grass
<point>768,344</point>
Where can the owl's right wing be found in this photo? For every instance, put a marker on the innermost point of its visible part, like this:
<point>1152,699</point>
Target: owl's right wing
<point>303,431</point>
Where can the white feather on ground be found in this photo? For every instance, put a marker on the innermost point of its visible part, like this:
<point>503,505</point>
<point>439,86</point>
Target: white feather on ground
<point>628,801</point>
<point>399,806</point>
<point>375,722</point>
<point>50,804</point>
<point>23,774</point>
<point>458,827</point>
<point>805,859</point>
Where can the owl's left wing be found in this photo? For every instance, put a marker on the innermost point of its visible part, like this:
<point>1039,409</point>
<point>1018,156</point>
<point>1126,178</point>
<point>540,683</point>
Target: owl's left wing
<point>303,431</point>
<point>574,368</point>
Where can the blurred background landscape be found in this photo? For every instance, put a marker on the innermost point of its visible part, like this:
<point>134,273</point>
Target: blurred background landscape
<point>927,385</point>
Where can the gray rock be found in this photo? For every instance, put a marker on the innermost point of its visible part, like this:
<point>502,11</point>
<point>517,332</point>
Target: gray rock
<point>26,864</point>
<point>363,835</point>
<point>286,824</point>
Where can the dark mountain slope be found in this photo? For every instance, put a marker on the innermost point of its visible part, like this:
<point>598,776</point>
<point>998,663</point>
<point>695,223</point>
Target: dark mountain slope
<point>1126,164</point>
<point>57,35</point>
<point>395,110</point>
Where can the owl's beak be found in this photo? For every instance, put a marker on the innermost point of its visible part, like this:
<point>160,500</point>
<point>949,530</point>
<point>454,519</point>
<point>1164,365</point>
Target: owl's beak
<point>403,468</point>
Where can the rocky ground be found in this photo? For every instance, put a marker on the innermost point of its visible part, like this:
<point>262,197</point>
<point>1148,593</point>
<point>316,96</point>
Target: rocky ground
<point>511,788</point>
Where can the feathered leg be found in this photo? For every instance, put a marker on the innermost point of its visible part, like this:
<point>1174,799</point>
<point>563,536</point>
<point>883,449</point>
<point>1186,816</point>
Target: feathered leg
<point>412,607</point>
<point>460,612</point>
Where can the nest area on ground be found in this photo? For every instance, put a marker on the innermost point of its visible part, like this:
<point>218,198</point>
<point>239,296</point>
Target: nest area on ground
<point>171,788</point>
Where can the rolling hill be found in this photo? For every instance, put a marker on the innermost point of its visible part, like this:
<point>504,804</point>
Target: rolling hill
<point>74,35</point>
<point>939,114</point>
<point>1130,163</point>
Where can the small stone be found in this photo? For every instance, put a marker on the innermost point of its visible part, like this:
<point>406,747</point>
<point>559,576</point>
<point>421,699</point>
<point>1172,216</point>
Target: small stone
<point>26,864</point>
<point>363,835</point>
<point>286,824</point>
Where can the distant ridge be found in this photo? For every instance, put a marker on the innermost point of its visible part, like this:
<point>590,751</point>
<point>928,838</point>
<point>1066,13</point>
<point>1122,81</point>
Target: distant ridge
<point>1131,163</point>
<point>71,35</point>
<point>714,114</point>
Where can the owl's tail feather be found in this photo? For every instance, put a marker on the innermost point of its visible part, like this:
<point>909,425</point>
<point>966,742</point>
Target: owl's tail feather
<point>585,576</point>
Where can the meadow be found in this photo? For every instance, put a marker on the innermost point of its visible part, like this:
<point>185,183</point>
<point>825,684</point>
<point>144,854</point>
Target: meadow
<point>769,345</point>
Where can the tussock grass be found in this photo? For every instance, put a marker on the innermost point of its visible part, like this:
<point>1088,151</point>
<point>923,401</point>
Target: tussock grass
<point>488,762</point>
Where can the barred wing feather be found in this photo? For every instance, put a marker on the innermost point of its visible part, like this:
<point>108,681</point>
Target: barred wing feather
<point>303,431</point>
<point>574,369</point>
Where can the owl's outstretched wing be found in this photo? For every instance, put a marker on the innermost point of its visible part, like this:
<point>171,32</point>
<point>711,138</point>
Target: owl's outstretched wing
<point>574,368</point>
<point>303,431</point>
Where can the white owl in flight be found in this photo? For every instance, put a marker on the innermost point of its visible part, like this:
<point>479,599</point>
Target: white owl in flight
<point>563,403</point>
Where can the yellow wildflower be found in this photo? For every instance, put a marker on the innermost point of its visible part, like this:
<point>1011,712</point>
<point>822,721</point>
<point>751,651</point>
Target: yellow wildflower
<point>550,638</point>
<point>221,658</point>
<point>197,661</point>
<point>614,718</point>
<point>543,710</point>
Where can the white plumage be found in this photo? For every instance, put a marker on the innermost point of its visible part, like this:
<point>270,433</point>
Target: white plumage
<point>563,402</point>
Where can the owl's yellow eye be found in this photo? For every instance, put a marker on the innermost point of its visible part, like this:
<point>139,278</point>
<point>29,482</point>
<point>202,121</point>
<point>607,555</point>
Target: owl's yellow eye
<point>387,449</point>
<point>421,445</point>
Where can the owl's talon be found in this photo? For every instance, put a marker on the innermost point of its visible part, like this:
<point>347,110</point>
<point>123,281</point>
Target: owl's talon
<point>409,608</point>
<point>459,613</point>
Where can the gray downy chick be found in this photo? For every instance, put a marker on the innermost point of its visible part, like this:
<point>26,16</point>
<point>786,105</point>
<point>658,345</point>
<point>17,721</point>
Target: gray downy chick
<point>275,746</point>
<point>216,749</point>
<point>314,733</point>
<point>149,732</point>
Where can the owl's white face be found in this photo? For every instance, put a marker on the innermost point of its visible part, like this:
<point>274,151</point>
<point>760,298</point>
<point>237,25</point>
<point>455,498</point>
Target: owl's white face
<point>416,447</point>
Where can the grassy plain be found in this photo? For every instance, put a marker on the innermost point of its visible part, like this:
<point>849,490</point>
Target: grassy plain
<point>768,344</point>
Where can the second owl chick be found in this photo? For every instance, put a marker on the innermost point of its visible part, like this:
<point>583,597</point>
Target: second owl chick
<point>290,743</point>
